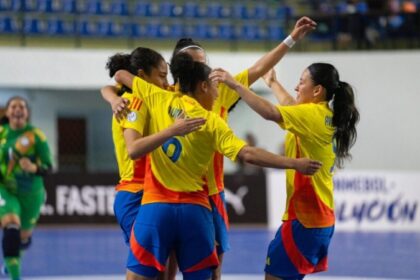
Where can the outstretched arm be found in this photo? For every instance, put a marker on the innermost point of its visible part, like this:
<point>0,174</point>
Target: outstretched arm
<point>282,96</point>
<point>260,105</point>
<point>265,63</point>
<point>264,158</point>
<point>138,146</point>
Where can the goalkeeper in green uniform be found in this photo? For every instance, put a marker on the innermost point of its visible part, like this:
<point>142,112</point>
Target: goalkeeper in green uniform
<point>24,160</point>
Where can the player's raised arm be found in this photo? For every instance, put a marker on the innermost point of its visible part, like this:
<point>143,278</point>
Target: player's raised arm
<point>283,97</point>
<point>269,60</point>
<point>260,105</point>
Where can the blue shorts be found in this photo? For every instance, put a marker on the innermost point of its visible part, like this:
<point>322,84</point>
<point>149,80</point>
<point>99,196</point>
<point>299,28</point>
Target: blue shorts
<point>221,222</point>
<point>126,207</point>
<point>163,227</point>
<point>297,251</point>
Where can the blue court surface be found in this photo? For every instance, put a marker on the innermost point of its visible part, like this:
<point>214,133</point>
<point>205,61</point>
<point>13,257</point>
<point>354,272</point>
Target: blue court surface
<point>99,253</point>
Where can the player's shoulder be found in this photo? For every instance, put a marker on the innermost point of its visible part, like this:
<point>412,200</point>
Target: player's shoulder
<point>38,133</point>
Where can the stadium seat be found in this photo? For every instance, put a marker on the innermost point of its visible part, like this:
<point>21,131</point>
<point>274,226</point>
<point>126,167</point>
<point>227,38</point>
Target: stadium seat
<point>252,32</point>
<point>167,9</point>
<point>142,9</point>
<point>119,7</point>
<point>239,11</point>
<point>34,26</point>
<point>5,5</point>
<point>59,27</point>
<point>275,32</point>
<point>96,7</point>
<point>226,31</point>
<point>88,28</point>
<point>8,25</point>
<point>199,30</point>
<point>30,5</point>
<point>281,12</point>
<point>362,7</point>
<point>138,30</point>
<point>191,10</point>
<point>214,10</point>
<point>50,6</point>
<point>69,6</point>
<point>259,11</point>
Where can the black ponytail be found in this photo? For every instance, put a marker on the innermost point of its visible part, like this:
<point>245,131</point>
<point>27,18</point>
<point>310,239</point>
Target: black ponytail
<point>188,73</point>
<point>346,115</point>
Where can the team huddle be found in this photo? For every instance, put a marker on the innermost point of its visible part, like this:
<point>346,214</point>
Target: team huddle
<point>170,141</point>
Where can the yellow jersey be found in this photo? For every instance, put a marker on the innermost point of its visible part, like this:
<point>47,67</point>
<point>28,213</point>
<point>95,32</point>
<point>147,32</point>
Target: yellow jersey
<point>227,97</point>
<point>177,169</point>
<point>131,171</point>
<point>310,134</point>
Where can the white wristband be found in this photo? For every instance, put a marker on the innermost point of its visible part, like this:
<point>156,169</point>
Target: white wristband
<point>289,41</point>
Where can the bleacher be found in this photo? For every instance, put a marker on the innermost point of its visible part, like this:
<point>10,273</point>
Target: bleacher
<point>218,21</point>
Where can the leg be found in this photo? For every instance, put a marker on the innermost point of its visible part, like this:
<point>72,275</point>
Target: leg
<point>271,277</point>
<point>133,276</point>
<point>221,226</point>
<point>151,240</point>
<point>10,210</point>
<point>195,248</point>
<point>217,272</point>
<point>11,245</point>
<point>171,268</point>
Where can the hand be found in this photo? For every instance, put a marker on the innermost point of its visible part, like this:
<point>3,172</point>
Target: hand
<point>302,27</point>
<point>307,166</point>
<point>219,75</point>
<point>270,77</point>
<point>183,126</point>
<point>120,107</point>
<point>27,165</point>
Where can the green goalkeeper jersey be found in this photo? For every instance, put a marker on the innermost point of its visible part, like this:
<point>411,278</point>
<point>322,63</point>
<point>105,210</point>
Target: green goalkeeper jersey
<point>29,142</point>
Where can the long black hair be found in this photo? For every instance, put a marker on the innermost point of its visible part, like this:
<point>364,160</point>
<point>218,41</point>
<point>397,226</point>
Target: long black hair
<point>188,72</point>
<point>140,59</point>
<point>346,115</point>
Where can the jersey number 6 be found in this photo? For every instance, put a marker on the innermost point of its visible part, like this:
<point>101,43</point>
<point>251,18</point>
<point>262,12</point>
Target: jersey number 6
<point>172,148</point>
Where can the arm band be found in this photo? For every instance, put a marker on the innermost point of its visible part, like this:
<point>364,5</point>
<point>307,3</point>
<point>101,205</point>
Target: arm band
<point>289,41</point>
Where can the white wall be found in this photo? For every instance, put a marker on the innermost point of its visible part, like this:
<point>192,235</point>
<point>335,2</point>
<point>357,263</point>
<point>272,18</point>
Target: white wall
<point>386,83</point>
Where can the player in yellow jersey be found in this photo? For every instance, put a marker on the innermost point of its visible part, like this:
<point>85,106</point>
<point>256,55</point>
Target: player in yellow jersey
<point>315,130</point>
<point>226,100</point>
<point>176,212</point>
<point>151,66</point>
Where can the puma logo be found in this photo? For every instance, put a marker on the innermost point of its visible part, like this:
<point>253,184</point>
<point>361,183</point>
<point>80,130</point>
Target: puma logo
<point>236,199</point>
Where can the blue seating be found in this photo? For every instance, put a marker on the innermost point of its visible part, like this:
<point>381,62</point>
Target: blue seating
<point>8,25</point>
<point>226,31</point>
<point>239,11</point>
<point>191,10</point>
<point>214,10</point>
<point>142,9</point>
<point>34,26</point>
<point>167,9</point>
<point>30,5</point>
<point>362,7</point>
<point>59,27</point>
<point>6,5</point>
<point>259,11</point>
<point>88,28</point>
<point>96,7</point>
<point>138,30</point>
<point>275,32</point>
<point>281,13</point>
<point>50,6</point>
<point>119,7</point>
<point>199,30</point>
